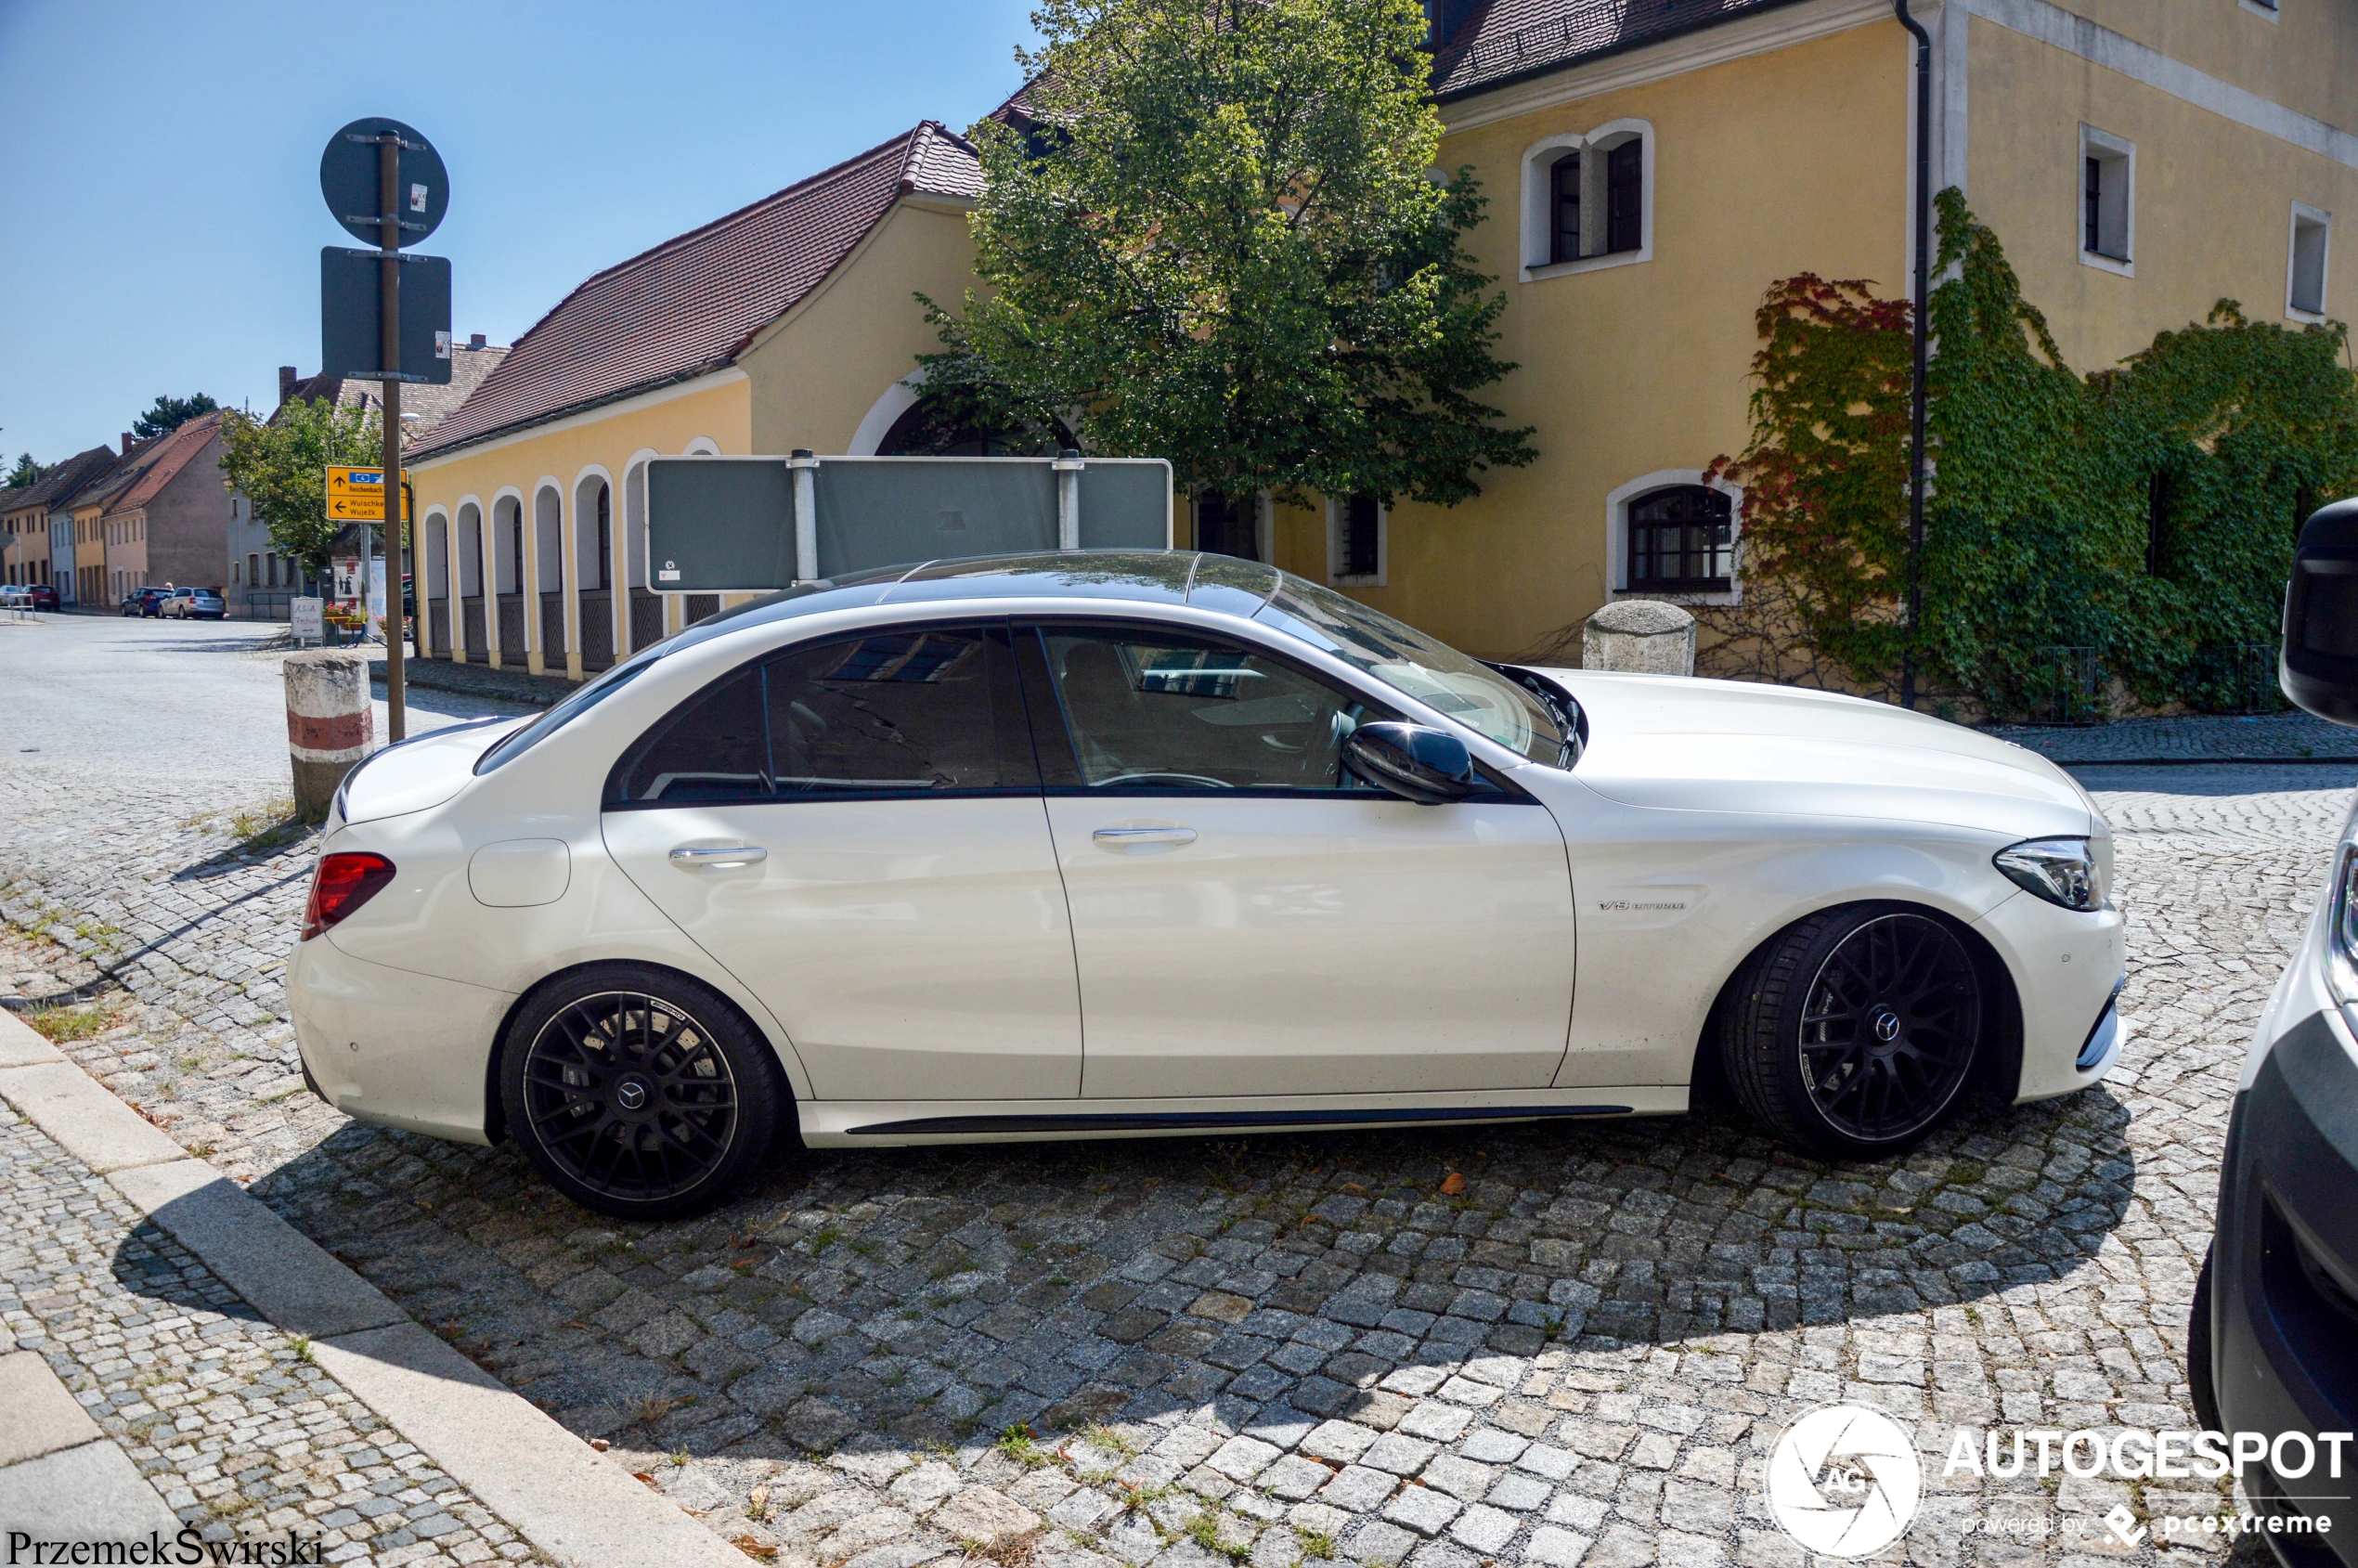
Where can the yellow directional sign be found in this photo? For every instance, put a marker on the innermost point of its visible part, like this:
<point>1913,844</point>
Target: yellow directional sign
<point>358,495</point>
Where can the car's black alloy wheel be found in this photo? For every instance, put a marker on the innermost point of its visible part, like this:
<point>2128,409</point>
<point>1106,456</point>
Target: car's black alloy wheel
<point>638,1092</point>
<point>1853,1033</point>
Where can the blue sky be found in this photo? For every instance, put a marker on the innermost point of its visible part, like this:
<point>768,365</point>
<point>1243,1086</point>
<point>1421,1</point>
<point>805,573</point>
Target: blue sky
<point>161,162</point>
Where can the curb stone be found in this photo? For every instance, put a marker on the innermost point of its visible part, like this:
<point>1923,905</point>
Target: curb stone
<point>546,1483</point>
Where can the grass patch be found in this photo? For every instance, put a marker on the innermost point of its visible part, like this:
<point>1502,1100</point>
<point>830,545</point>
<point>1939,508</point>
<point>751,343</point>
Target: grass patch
<point>1316,1543</point>
<point>1204,1530</point>
<point>61,1026</point>
<point>1015,1442</point>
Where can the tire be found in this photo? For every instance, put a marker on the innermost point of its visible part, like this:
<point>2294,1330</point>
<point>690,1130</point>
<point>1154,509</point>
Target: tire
<point>1853,1033</point>
<point>2202,1380</point>
<point>711,1096</point>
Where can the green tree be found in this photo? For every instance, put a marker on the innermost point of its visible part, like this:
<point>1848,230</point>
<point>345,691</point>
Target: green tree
<point>27,471</point>
<point>168,414</point>
<point>280,464</point>
<point>1219,242</point>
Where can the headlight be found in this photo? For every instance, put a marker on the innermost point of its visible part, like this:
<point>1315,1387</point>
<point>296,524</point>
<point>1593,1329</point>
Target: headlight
<point>2062,871</point>
<point>2341,936</point>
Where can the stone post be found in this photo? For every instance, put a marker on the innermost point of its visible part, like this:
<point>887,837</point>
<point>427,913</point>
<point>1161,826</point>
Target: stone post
<point>1644,636</point>
<point>330,723</point>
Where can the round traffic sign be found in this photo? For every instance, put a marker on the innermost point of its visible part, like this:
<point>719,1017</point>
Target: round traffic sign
<point>348,179</point>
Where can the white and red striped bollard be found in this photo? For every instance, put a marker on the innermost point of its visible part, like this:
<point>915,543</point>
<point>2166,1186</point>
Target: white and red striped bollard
<point>330,723</point>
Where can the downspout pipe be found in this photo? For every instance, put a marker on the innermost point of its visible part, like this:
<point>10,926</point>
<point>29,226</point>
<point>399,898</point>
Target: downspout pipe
<point>1922,328</point>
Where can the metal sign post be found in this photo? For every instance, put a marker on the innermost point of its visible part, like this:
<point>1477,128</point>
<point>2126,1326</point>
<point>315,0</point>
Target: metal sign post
<point>385,182</point>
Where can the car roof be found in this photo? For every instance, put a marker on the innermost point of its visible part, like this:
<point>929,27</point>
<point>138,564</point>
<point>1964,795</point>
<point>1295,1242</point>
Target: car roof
<point>1094,576</point>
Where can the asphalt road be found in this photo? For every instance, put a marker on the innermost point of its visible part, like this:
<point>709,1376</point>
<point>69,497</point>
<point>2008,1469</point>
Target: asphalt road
<point>91,700</point>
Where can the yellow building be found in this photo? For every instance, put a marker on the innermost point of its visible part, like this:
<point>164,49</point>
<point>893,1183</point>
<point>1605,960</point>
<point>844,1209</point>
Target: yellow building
<point>2139,159</point>
<point>788,323</point>
<point>1651,167</point>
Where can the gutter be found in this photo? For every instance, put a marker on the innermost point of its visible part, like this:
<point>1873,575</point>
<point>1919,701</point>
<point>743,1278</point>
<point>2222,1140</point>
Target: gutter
<point>1922,328</point>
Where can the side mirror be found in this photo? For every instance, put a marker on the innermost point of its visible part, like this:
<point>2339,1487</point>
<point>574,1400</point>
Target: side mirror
<point>2317,665</point>
<point>1415,762</point>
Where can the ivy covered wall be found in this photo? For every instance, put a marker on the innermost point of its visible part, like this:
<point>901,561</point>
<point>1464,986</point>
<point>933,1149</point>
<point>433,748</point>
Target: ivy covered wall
<point>2144,511</point>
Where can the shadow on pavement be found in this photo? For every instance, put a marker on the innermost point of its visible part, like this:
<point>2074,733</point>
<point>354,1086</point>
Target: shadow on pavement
<point>920,1295</point>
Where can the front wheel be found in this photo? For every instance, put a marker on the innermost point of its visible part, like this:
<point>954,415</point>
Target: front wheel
<point>2202,1378</point>
<point>1853,1032</point>
<point>640,1093</point>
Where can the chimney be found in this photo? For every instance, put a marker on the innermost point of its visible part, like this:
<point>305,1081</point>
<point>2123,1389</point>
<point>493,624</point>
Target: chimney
<point>475,340</point>
<point>286,384</point>
<point>126,442</point>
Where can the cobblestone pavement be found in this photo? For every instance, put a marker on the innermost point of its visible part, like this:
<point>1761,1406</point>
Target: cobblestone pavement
<point>1517,1344</point>
<point>2289,734</point>
<point>225,1417</point>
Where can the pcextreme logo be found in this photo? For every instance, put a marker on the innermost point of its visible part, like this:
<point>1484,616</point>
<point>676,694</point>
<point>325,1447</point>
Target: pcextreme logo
<point>1844,1480</point>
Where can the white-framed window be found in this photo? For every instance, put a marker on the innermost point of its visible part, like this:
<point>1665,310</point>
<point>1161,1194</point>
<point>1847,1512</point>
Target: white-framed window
<point>2107,211</point>
<point>1588,199</point>
<point>1672,535</point>
<point>1357,545</point>
<point>2306,255</point>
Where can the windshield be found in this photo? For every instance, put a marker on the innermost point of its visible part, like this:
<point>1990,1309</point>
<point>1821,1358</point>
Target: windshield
<point>1409,661</point>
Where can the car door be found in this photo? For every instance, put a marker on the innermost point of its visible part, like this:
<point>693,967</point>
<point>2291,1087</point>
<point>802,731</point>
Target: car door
<point>1250,919</point>
<point>854,828</point>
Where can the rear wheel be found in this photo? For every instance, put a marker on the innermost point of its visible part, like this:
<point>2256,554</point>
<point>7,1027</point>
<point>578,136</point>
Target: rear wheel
<point>640,1093</point>
<point>1854,1032</point>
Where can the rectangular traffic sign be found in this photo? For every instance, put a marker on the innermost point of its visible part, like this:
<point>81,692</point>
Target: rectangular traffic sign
<point>350,343</point>
<point>358,495</point>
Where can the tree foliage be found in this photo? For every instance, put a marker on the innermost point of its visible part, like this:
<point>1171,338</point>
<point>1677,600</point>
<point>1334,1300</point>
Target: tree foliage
<point>280,465</point>
<point>27,471</point>
<point>168,414</point>
<point>1218,240</point>
<point>2146,511</point>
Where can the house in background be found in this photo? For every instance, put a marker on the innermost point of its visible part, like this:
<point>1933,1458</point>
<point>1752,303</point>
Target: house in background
<point>24,514</point>
<point>788,323</point>
<point>260,580</point>
<point>83,510</point>
<point>1651,168</point>
<point>167,525</point>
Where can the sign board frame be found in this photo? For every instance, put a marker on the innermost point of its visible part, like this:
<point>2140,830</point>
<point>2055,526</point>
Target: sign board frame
<point>349,174</point>
<point>306,618</point>
<point>800,518</point>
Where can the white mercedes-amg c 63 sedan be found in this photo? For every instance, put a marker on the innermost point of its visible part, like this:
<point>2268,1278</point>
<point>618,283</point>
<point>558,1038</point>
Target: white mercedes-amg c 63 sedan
<point>1117,844</point>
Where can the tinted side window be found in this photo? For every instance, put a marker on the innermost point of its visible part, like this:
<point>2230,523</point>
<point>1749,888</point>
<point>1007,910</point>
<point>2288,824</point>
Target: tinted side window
<point>891,711</point>
<point>1163,711</point>
<point>909,711</point>
<point>714,746</point>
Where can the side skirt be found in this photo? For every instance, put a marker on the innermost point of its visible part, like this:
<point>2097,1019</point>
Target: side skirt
<point>1185,1120</point>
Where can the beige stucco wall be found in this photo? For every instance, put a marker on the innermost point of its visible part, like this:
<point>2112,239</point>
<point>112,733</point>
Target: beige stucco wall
<point>2304,56</point>
<point>820,367</point>
<point>2213,198</point>
<point>565,453</point>
<point>1768,166</point>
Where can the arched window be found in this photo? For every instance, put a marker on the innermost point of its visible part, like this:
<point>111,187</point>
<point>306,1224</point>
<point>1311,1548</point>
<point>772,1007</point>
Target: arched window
<point>1681,541</point>
<point>1587,199</point>
<point>922,432</point>
<point>1563,179</point>
<point>606,538</point>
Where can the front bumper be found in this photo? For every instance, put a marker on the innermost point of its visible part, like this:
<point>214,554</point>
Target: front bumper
<point>2284,1281</point>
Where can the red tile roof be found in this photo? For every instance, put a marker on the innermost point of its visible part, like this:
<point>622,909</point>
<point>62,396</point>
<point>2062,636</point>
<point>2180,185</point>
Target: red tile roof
<point>692,305</point>
<point>1509,40</point>
<point>178,449</point>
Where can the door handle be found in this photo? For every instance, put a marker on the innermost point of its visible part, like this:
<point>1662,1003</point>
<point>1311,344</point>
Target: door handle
<point>725,856</point>
<point>1140,838</point>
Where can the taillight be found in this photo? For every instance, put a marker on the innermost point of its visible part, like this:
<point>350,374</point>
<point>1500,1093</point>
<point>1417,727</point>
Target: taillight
<point>344,883</point>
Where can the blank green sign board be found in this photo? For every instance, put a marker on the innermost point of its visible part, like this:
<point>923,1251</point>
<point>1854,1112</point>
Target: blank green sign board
<point>727,524</point>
